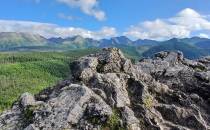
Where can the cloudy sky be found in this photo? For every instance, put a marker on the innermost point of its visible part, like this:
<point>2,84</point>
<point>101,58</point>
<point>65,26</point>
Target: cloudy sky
<point>144,19</point>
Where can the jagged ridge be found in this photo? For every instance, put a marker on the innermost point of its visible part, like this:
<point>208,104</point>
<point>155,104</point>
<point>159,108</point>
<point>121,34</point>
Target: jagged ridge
<point>107,91</point>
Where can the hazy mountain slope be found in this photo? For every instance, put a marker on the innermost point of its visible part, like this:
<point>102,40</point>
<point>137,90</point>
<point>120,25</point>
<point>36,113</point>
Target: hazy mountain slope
<point>145,42</point>
<point>11,39</point>
<point>141,49</point>
<point>203,44</point>
<point>193,40</point>
<point>192,47</point>
<point>122,40</point>
<point>56,40</point>
<point>76,42</point>
<point>130,51</point>
<point>189,51</point>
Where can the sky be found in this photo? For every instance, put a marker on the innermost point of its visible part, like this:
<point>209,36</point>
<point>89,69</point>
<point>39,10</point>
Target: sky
<point>136,19</point>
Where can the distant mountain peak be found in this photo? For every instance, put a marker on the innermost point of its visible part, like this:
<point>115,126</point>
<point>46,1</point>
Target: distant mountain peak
<point>19,39</point>
<point>174,40</point>
<point>121,40</point>
<point>19,34</point>
<point>78,37</point>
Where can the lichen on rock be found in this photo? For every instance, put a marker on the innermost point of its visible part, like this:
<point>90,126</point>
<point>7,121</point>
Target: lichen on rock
<point>107,91</point>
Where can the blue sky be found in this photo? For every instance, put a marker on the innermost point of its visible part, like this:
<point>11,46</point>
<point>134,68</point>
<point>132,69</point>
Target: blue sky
<point>145,19</point>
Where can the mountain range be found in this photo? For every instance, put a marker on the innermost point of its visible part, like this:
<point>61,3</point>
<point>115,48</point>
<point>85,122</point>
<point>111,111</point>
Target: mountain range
<point>192,48</point>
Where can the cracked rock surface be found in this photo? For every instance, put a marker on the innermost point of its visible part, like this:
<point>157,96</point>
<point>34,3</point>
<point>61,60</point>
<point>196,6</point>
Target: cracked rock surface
<point>107,91</point>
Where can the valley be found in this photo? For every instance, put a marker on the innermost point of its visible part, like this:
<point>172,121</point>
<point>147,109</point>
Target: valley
<point>33,71</point>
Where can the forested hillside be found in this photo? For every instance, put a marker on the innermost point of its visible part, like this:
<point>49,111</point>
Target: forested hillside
<point>33,71</point>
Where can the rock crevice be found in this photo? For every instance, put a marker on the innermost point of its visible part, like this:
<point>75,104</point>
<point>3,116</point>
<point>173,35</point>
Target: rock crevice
<point>107,91</point>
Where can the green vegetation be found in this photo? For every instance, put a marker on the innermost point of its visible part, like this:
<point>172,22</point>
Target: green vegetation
<point>28,114</point>
<point>113,122</point>
<point>130,52</point>
<point>32,72</point>
<point>203,44</point>
<point>148,101</point>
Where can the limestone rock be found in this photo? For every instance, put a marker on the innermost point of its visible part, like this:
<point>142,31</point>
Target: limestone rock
<point>131,121</point>
<point>27,99</point>
<point>166,92</point>
<point>31,127</point>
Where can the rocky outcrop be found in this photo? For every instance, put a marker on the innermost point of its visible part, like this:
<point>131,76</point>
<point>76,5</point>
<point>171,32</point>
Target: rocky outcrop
<point>108,92</point>
<point>187,101</point>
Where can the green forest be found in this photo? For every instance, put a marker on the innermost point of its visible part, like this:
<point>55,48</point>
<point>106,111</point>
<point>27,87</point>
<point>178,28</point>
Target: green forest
<point>33,71</point>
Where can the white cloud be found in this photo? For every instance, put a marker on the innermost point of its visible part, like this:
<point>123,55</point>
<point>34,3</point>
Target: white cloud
<point>191,19</point>
<point>203,35</point>
<point>89,7</point>
<point>179,26</point>
<point>158,30</point>
<point>106,32</point>
<point>68,17</point>
<point>53,30</point>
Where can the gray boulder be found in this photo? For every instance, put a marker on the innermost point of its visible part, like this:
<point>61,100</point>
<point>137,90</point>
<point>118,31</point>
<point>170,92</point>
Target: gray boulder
<point>107,91</point>
<point>27,99</point>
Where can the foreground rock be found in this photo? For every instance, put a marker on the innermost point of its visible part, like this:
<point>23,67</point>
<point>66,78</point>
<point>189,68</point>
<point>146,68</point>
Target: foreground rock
<point>108,92</point>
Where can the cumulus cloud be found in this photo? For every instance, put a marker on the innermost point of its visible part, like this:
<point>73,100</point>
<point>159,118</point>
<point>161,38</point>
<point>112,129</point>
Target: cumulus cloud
<point>203,35</point>
<point>191,19</point>
<point>157,30</point>
<point>53,30</point>
<point>89,7</point>
<point>179,26</point>
<point>106,32</point>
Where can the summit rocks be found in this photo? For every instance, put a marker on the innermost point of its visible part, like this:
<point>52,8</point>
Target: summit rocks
<point>107,91</point>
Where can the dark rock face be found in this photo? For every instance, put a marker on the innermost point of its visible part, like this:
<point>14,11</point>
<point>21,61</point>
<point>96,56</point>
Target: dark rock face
<point>107,91</point>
